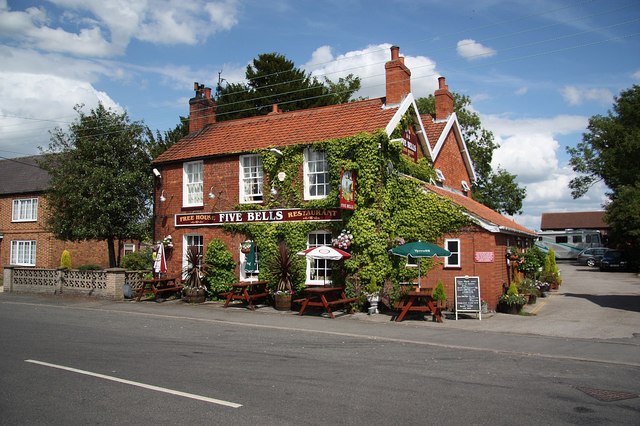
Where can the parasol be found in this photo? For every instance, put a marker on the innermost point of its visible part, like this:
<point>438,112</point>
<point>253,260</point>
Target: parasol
<point>418,250</point>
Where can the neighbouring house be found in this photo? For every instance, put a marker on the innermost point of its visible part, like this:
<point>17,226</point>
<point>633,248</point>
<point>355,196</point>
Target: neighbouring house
<point>24,240</point>
<point>216,176</point>
<point>562,221</point>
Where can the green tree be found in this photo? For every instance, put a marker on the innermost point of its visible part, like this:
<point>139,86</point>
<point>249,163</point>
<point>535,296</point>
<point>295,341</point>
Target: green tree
<point>100,182</point>
<point>274,79</point>
<point>160,142</point>
<point>610,152</point>
<point>495,189</point>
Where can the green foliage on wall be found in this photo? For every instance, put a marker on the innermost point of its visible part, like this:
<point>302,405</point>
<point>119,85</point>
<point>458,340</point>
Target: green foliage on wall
<point>219,267</point>
<point>389,206</point>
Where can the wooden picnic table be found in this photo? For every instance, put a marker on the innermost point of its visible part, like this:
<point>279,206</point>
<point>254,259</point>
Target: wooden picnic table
<point>158,286</point>
<point>419,301</point>
<point>247,292</point>
<point>325,297</point>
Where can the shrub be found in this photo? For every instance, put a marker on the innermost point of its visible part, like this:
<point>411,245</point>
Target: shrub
<point>137,261</point>
<point>438,292</point>
<point>65,260</point>
<point>221,267</point>
<point>512,297</point>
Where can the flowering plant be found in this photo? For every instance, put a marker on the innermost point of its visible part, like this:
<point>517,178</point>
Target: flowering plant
<point>283,292</point>
<point>512,297</point>
<point>167,241</point>
<point>344,240</point>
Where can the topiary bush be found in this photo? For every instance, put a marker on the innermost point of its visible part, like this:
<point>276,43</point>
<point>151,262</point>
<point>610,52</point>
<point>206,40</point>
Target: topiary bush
<point>65,260</point>
<point>439,293</point>
<point>220,270</point>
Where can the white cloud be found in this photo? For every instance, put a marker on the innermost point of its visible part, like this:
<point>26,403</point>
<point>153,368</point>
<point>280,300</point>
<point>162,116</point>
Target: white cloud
<point>97,28</point>
<point>521,91</point>
<point>577,96</point>
<point>636,75</point>
<point>368,64</point>
<point>472,50</point>
<point>35,103</point>
<point>529,149</point>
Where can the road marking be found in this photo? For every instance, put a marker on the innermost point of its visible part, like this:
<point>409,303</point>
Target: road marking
<point>138,384</point>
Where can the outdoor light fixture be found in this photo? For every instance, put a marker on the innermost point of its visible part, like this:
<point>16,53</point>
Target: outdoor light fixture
<point>211,194</point>
<point>162,197</point>
<point>156,172</point>
<point>274,191</point>
<point>282,176</point>
<point>276,151</point>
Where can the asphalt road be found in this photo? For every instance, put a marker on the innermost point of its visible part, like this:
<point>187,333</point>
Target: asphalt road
<point>78,361</point>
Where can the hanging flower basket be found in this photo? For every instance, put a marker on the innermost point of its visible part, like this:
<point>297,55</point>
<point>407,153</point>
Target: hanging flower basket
<point>245,247</point>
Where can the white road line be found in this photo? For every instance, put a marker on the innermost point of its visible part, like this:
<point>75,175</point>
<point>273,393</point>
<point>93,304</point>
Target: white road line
<point>141,385</point>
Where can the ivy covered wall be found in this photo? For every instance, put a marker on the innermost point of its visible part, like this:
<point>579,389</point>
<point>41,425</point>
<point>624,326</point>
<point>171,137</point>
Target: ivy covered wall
<point>391,206</point>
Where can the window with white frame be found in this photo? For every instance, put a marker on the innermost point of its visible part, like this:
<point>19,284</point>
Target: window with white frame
<point>318,270</point>
<point>25,210</point>
<point>440,175</point>
<point>23,252</point>
<point>189,241</point>
<point>251,179</point>
<point>453,261</point>
<point>192,184</point>
<point>249,275</point>
<point>316,174</point>
<point>129,248</point>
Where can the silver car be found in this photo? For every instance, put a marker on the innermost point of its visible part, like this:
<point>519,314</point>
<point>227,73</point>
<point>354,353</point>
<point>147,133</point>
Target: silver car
<point>591,256</point>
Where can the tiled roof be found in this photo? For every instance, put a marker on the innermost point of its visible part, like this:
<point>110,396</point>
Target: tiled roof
<point>282,129</point>
<point>22,175</point>
<point>434,130</point>
<point>573,220</point>
<point>481,211</point>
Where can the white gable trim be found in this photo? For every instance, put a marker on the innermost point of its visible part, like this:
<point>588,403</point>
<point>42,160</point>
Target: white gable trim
<point>408,102</point>
<point>452,123</point>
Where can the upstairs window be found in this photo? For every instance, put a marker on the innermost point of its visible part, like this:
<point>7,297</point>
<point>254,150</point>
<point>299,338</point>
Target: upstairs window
<point>192,184</point>
<point>453,246</point>
<point>316,175</point>
<point>251,179</point>
<point>25,210</point>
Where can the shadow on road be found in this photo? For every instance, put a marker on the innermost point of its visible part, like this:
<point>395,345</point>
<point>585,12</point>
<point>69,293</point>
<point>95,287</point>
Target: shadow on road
<point>624,302</point>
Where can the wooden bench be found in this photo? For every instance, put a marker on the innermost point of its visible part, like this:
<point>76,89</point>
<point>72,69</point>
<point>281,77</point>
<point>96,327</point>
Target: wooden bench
<point>317,297</point>
<point>159,286</point>
<point>247,292</point>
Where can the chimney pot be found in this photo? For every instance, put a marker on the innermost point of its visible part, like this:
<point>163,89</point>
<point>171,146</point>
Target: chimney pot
<point>441,83</point>
<point>395,52</point>
<point>207,92</point>
<point>397,77</point>
<point>444,100</point>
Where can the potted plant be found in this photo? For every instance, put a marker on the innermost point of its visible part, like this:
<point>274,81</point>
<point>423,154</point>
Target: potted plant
<point>372,292</point>
<point>282,270</point>
<point>194,291</point>
<point>511,302</point>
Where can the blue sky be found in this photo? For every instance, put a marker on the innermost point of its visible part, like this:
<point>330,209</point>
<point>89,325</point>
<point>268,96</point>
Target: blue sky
<point>535,71</point>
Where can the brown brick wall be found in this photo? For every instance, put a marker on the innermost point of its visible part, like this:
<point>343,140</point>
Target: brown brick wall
<point>452,165</point>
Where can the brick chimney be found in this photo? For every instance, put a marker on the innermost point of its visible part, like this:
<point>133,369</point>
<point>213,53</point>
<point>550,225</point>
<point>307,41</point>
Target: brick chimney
<point>398,78</point>
<point>202,108</point>
<point>444,100</point>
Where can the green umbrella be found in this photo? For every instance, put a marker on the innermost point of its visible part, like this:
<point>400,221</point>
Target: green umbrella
<point>418,250</point>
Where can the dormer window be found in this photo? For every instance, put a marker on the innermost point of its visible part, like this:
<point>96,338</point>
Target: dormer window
<point>465,186</point>
<point>440,175</point>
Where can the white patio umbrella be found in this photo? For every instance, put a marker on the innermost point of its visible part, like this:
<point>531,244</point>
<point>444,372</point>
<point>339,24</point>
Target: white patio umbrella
<point>324,253</point>
<point>160,264</point>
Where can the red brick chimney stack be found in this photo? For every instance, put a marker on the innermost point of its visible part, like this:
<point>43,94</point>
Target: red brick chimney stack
<point>202,108</point>
<point>398,78</point>
<point>444,100</point>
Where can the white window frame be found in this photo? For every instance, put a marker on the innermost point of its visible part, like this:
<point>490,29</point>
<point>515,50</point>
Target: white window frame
<point>128,248</point>
<point>188,240</point>
<point>440,175</point>
<point>251,179</point>
<point>323,266</point>
<point>447,260</point>
<point>23,252</point>
<point>25,210</point>
<point>315,165</point>
<point>193,184</point>
<point>251,276</point>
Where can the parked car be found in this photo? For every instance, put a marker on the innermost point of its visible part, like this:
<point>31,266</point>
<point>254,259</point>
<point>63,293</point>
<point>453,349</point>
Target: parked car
<point>591,256</point>
<point>614,260</point>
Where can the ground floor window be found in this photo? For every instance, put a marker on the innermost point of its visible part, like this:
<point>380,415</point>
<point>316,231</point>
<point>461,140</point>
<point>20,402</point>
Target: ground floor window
<point>189,241</point>
<point>129,248</point>
<point>23,252</point>
<point>453,246</point>
<point>318,271</point>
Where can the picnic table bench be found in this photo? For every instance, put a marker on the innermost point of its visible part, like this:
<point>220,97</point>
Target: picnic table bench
<point>325,297</point>
<point>247,292</point>
<point>159,286</point>
<point>419,301</point>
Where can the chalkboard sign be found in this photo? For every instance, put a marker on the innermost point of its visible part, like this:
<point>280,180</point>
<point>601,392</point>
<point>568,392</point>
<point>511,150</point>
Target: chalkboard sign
<point>468,295</point>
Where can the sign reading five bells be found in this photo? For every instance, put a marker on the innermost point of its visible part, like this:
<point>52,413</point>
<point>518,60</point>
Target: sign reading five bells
<point>258,216</point>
